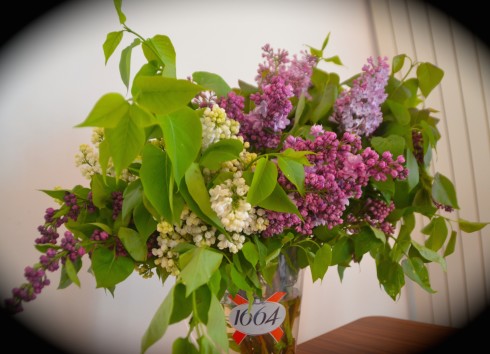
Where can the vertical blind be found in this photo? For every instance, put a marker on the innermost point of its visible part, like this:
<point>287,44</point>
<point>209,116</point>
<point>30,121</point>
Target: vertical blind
<point>427,34</point>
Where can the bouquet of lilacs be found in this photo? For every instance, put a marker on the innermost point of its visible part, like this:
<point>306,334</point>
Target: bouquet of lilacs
<point>209,184</point>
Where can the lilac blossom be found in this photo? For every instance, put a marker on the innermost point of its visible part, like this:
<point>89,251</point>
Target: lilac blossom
<point>358,110</point>
<point>338,172</point>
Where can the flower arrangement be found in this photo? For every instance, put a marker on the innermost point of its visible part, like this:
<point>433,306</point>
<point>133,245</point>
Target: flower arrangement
<point>209,184</point>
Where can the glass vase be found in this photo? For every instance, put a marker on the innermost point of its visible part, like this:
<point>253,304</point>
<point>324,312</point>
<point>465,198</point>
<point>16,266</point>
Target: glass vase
<point>271,324</point>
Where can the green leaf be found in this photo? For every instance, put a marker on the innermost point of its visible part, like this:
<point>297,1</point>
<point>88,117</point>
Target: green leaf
<point>133,243</point>
<point>141,117</point>
<point>159,323</point>
<point>109,269</point>
<point>342,252</point>
<point>415,269</point>
<point>125,62</point>
<point>393,143</point>
<point>451,245</point>
<point>217,325</point>
<point>294,172</point>
<point>202,263</point>
<point>437,231</point>
<point>219,152</point>
<point>413,170</point>
<point>160,48</point>
<point>429,77</point>
<point>264,181</point>
<point>197,188</point>
<point>323,257</point>
<point>132,196</point>
<point>400,112</point>
<point>155,174</point>
<point>443,191</point>
<point>162,95</point>
<point>471,226</point>
<point>391,277</point>
<point>112,41</point>
<point>404,239</point>
<point>108,111</point>
<point>380,235</point>
<point>144,221</point>
<point>212,82</point>
<point>202,300</point>
<point>335,59</point>
<point>397,63</point>
<point>279,201</point>
<point>122,17</point>
<point>69,273</point>
<point>430,255</point>
<point>182,308</point>
<point>183,346</point>
<point>239,279</point>
<point>181,143</point>
<point>250,253</point>
<point>129,135</point>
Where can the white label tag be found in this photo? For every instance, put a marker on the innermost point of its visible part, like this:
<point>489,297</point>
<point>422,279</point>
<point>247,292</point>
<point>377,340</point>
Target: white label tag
<point>264,317</point>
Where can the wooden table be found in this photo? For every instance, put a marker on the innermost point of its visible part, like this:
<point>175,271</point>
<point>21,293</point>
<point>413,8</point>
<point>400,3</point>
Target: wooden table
<point>379,334</point>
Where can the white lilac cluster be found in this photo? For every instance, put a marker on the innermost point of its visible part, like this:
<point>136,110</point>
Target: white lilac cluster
<point>170,236</point>
<point>228,200</point>
<point>88,160</point>
<point>167,240</point>
<point>217,126</point>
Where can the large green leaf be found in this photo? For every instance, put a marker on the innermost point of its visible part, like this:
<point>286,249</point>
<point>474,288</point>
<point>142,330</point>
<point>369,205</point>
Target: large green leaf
<point>437,231</point>
<point>416,270</point>
<point>404,239</point>
<point>159,323</point>
<point>120,14</point>
<point>155,174</point>
<point>294,172</point>
<point>279,201</point>
<point>144,221</point>
<point>400,112</point>
<point>201,264</point>
<point>126,134</point>
<point>221,151</point>
<point>264,181</point>
<point>430,255</point>
<point>196,187</point>
<point>413,170</point>
<point>133,243</point>
<point>132,196</point>
<point>391,277</point>
<point>125,62</point>
<point>112,41</point>
<point>443,191</point>
<point>109,269</point>
<point>212,82</point>
<point>163,95</point>
<point>393,143</point>
<point>217,325</point>
<point>323,257</point>
<point>182,142</point>
<point>429,77</point>
<point>108,111</point>
<point>69,273</point>
<point>471,226</point>
<point>183,345</point>
<point>160,48</point>
<point>141,117</point>
<point>250,253</point>
<point>182,304</point>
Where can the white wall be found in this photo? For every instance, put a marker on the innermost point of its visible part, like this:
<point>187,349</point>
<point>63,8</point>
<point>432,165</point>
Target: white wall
<point>54,72</point>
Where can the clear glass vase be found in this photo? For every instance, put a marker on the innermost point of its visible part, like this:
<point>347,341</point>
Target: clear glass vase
<point>271,324</point>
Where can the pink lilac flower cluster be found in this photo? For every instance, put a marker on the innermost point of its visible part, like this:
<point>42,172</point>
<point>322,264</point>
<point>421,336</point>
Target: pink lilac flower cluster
<point>279,79</point>
<point>358,110</point>
<point>338,172</point>
<point>70,248</point>
<point>374,212</point>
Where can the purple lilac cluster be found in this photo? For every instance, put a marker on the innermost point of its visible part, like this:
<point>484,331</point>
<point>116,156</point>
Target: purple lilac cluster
<point>279,79</point>
<point>71,200</point>
<point>358,110</point>
<point>339,170</point>
<point>117,202</point>
<point>36,276</point>
<point>375,212</point>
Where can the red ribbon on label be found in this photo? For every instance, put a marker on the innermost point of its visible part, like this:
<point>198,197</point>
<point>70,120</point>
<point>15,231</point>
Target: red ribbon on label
<point>240,300</point>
